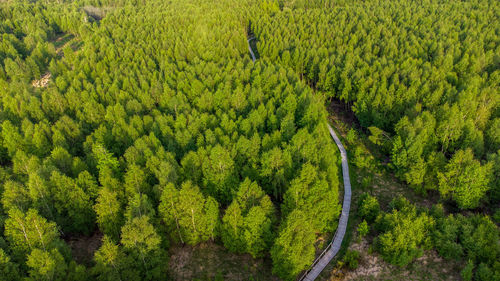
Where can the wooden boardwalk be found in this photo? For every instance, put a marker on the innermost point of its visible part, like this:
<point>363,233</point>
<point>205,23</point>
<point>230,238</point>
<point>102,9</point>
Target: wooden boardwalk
<point>333,248</point>
<point>250,48</point>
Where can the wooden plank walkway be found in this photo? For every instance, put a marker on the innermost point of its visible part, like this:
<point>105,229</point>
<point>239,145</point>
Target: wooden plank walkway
<point>333,248</point>
<point>250,48</point>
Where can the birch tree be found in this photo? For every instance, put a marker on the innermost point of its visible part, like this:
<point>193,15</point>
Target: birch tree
<point>190,215</point>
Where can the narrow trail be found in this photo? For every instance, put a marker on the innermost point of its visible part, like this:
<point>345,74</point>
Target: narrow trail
<point>333,248</point>
<point>250,48</point>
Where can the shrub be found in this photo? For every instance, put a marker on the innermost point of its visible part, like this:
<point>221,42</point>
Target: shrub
<point>369,207</point>
<point>351,259</point>
<point>363,229</point>
<point>405,233</point>
<point>467,271</point>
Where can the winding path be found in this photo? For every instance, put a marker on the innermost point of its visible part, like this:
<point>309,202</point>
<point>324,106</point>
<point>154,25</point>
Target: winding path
<point>333,248</point>
<point>250,48</point>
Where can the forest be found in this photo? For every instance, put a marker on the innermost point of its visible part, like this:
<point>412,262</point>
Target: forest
<point>147,124</point>
<point>424,79</point>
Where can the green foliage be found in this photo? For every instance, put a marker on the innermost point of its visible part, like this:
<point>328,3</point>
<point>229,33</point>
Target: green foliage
<point>467,272</point>
<point>8,269</point>
<point>369,208</point>
<point>139,206</point>
<point>363,229</point>
<point>46,265</point>
<point>188,214</point>
<point>153,116</point>
<point>351,136</point>
<point>28,231</point>
<point>141,242</point>
<point>493,134</point>
<point>105,123</point>
<point>247,222</point>
<point>465,179</point>
<point>105,160</point>
<point>424,93</point>
<point>219,174</point>
<point>472,238</point>
<point>496,216</point>
<point>311,193</point>
<point>122,120</point>
<point>112,263</point>
<point>351,259</point>
<point>109,213</point>
<point>494,192</point>
<point>73,206</point>
<point>232,229</point>
<point>293,249</point>
<point>404,233</point>
<point>379,138</point>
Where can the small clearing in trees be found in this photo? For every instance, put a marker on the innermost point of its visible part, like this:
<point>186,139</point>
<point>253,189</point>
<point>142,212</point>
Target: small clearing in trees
<point>84,247</point>
<point>43,81</point>
<point>209,261</point>
<point>428,267</point>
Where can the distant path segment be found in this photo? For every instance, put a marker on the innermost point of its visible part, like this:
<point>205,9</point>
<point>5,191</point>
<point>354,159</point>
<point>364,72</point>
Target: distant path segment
<point>333,248</point>
<point>250,48</point>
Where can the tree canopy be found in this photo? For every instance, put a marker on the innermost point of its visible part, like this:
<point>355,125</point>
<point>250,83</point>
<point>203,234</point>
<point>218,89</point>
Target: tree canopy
<point>148,123</point>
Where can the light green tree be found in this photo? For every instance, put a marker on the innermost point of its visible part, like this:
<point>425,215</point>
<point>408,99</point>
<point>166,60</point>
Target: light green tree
<point>140,240</point>
<point>293,249</point>
<point>465,180</point>
<point>186,211</point>
<point>109,213</point>
<point>247,222</point>
<point>46,265</point>
<point>112,264</point>
<point>311,193</point>
<point>28,231</point>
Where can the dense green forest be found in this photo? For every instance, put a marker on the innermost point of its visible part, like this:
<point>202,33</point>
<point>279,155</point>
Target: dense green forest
<point>154,128</point>
<point>423,77</point>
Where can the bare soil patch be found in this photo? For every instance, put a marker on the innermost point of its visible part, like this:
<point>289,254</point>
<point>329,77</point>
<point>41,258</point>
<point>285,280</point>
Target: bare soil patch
<point>84,247</point>
<point>43,81</point>
<point>209,261</point>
